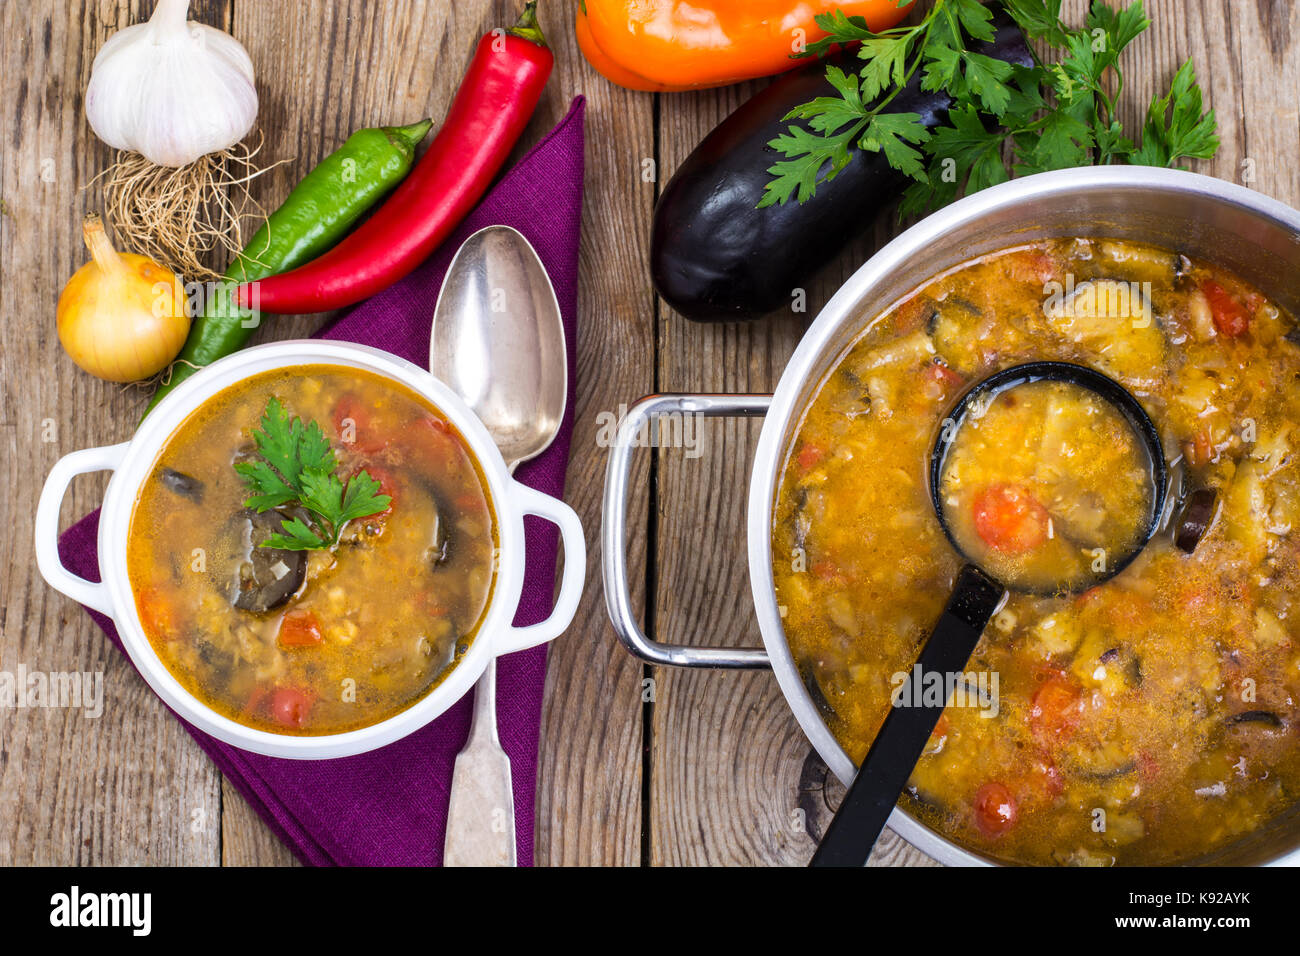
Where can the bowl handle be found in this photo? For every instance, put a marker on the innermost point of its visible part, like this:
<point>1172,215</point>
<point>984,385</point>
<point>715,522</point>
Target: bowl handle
<point>534,502</point>
<point>613,531</point>
<point>89,593</point>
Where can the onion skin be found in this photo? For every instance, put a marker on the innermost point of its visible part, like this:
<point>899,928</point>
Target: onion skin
<point>121,317</point>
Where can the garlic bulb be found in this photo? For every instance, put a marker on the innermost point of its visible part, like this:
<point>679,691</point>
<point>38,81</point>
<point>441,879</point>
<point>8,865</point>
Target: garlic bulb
<point>171,90</point>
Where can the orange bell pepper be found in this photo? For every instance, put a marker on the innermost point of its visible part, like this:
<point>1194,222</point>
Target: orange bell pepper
<point>666,45</point>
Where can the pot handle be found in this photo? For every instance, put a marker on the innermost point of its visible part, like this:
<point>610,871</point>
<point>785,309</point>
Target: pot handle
<point>91,594</point>
<point>613,533</point>
<point>533,502</point>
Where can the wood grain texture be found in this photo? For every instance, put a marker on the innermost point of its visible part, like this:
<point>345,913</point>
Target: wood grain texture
<point>732,779</point>
<point>589,787</point>
<point>129,786</point>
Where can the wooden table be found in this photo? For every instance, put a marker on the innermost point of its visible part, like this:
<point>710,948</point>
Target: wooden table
<point>638,765</point>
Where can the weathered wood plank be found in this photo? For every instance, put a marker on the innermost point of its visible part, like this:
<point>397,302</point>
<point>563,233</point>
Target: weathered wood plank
<point>589,787</point>
<point>128,786</point>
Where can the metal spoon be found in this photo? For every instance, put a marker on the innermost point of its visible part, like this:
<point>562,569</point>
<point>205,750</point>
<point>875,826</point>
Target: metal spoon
<point>498,342</point>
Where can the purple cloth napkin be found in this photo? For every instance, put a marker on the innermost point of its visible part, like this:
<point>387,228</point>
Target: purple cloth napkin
<point>389,807</point>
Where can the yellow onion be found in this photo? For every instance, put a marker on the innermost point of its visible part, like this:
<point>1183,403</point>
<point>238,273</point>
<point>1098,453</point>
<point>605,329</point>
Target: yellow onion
<point>122,317</point>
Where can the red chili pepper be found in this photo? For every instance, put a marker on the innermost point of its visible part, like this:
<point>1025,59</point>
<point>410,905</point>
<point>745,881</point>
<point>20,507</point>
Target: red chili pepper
<point>490,111</point>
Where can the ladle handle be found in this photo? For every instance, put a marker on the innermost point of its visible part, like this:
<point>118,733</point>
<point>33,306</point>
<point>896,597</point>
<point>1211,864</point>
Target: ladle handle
<point>909,723</point>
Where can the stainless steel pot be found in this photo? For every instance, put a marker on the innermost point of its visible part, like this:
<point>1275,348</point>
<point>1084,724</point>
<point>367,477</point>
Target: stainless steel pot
<point>1255,237</point>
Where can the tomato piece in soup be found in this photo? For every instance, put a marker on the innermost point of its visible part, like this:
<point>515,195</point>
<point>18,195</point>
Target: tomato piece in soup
<point>434,441</point>
<point>810,456</point>
<point>158,614</point>
<point>290,706</point>
<point>996,809</point>
<point>387,486</point>
<point>300,629</point>
<point>1230,316</point>
<point>1010,519</point>
<point>1056,708</point>
<point>353,423</point>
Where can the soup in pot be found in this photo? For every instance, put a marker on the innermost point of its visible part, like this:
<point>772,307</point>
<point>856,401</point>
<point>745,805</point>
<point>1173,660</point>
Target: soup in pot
<point>1152,718</point>
<point>313,551</point>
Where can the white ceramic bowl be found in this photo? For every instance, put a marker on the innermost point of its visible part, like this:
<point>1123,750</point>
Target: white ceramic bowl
<point>132,462</point>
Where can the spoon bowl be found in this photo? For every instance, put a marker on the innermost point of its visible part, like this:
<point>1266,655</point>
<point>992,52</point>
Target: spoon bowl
<point>1140,426</point>
<point>498,341</point>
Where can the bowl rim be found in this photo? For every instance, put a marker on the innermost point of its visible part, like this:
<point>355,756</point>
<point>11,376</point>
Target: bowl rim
<point>901,253</point>
<point>137,462</point>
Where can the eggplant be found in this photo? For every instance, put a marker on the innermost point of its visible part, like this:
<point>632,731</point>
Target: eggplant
<point>808,671</point>
<point>1195,519</point>
<point>716,257</point>
<point>439,541</point>
<point>265,578</point>
<point>182,484</point>
<point>1265,717</point>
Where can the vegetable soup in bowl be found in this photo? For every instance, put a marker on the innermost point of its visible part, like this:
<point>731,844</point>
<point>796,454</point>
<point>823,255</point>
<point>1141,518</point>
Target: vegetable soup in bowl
<point>273,603</point>
<point>311,549</point>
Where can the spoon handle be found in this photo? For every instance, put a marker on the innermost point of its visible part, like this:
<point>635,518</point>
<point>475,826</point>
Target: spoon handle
<point>481,811</point>
<point>481,807</point>
<point>908,725</point>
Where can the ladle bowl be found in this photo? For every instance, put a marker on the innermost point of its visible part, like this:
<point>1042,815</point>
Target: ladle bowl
<point>1103,386</point>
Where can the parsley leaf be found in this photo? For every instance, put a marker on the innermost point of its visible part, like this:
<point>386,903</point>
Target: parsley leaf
<point>886,63</point>
<point>1040,19</point>
<point>964,154</point>
<point>1121,27</point>
<point>296,535</point>
<point>1058,141</point>
<point>986,79</point>
<point>1187,132</point>
<point>298,466</point>
<point>811,154</point>
<point>891,133</point>
<point>839,28</point>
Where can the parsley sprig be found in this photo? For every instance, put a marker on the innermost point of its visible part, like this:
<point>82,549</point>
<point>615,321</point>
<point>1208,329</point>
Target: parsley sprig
<point>297,466</point>
<point>1056,114</point>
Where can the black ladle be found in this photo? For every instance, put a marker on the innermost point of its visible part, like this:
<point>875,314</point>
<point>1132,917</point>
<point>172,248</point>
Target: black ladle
<point>976,595</point>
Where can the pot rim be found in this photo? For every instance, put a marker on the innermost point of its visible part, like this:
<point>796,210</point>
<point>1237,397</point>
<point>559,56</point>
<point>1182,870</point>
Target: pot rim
<point>900,254</point>
<point>510,500</point>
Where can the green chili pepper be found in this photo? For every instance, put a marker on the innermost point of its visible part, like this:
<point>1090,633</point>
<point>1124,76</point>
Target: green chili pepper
<point>317,214</point>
